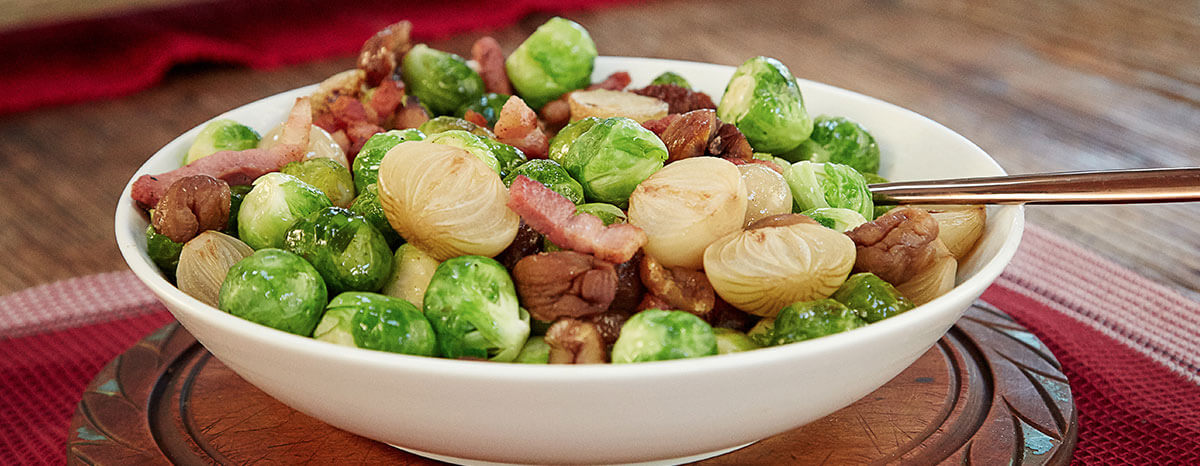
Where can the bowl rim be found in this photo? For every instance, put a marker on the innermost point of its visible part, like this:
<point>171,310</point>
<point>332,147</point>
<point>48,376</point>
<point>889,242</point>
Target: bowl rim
<point>237,327</point>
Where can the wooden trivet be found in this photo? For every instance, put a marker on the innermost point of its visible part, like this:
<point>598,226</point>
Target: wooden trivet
<point>988,393</point>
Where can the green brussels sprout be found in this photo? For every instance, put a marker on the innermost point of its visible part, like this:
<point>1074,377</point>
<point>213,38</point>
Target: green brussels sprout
<point>836,218</point>
<point>557,58</point>
<point>440,80</point>
<point>764,102</point>
<point>412,269</point>
<point>760,334</point>
<point>612,157</point>
<point>366,163</point>
<point>469,142</point>
<point>488,106</point>
<point>608,213</point>
<point>560,144</point>
<point>447,123</point>
<point>219,135</point>
<point>816,185</point>
<point>655,335</point>
<point>535,351</point>
<point>550,174</point>
<point>670,77</point>
<point>377,322</point>
<point>367,205</point>
<point>350,254</point>
<point>472,304</point>
<point>330,177</point>
<point>269,209</point>
<point>733,341</point>
<point>275,288</point>
<point>873,178</point>
<point>236,194</point>
<point>870,297</point>
<point>811,319</point>
<point>163,251</point>
<point>782,163</point>
<point>509,157</point>
<point>838,140</point>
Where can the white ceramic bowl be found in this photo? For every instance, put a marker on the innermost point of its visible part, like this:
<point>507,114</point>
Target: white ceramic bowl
<point>605,413</point>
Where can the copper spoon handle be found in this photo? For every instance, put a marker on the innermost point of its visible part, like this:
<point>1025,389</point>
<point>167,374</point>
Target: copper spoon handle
<point>1090,187</point>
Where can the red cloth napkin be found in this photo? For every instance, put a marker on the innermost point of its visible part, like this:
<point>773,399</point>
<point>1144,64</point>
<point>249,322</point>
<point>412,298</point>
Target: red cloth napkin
<point>114,56</point>
<point>1126,345</point>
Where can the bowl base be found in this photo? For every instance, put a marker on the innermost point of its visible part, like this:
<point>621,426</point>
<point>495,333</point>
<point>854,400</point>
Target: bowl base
<point>661,462</point>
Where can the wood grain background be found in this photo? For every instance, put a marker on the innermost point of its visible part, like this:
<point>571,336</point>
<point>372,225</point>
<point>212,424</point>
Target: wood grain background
<point>1040,85</point>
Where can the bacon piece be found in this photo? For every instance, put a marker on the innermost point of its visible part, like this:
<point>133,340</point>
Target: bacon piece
<point>559,284</point>
<point>553,215</point>
<point>383,51</point>
<point>388,97</point>
<point>236,167</point>
<point>474,117</point>
<point>486,52</point>
<point>658,126</point>
<point>614,82</point>
<point>356,122</point>
<point>517,126</point>
<point>679,99</point>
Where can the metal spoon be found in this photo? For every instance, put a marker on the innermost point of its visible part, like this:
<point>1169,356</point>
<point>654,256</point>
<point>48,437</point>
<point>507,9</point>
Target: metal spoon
<point>1087,187</point>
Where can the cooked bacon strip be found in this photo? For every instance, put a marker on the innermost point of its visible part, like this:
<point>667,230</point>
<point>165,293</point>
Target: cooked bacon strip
<point>679,99</point>
<point>236,167</point>
<point>553,215</point>
<point>474,117</point>
<point>388,97</point>
<point>517,126</point>
<point>487,54</point>
<point>356,121</point>
<point>614,82</point>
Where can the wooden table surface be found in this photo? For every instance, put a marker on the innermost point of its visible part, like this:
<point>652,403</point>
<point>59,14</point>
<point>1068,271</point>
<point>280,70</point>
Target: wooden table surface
<point>1041,85</point>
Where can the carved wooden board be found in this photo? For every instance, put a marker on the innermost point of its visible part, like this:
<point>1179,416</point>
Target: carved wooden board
<point>988,392</point>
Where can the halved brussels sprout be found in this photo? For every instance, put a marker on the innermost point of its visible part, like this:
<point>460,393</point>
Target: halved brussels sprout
<point>468,142</point>
<point>366,164</point>
<point>440,80</point>
<point>488,106</point>
<point>603,103</point>
<point>812,319</point>
<point>733,341</point>
<point>472,304</point>
<point>550,174</point>
<point>163,251</point>
<point>275,288</point>
<point>838,140</point>
<point>326,175</point>
<point>816,185</point>
<point>836,218</point>
<point>368,206</point>
<point>871,298</point>
<point>412,269</point>
<point>219,135</point>
<point>350,254</point>
<point>448,123</point>
<point>560,144</point>
<point>670,77</point>
<point>612,157</point>
<point>273,205</point>
<point>558,57</point>
<point>764,102</point>
<point>657,335</point>
<point>377,322</point>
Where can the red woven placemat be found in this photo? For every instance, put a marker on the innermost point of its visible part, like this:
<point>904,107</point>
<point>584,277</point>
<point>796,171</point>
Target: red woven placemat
<point>1126,345</point>
<point>107,57</point>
